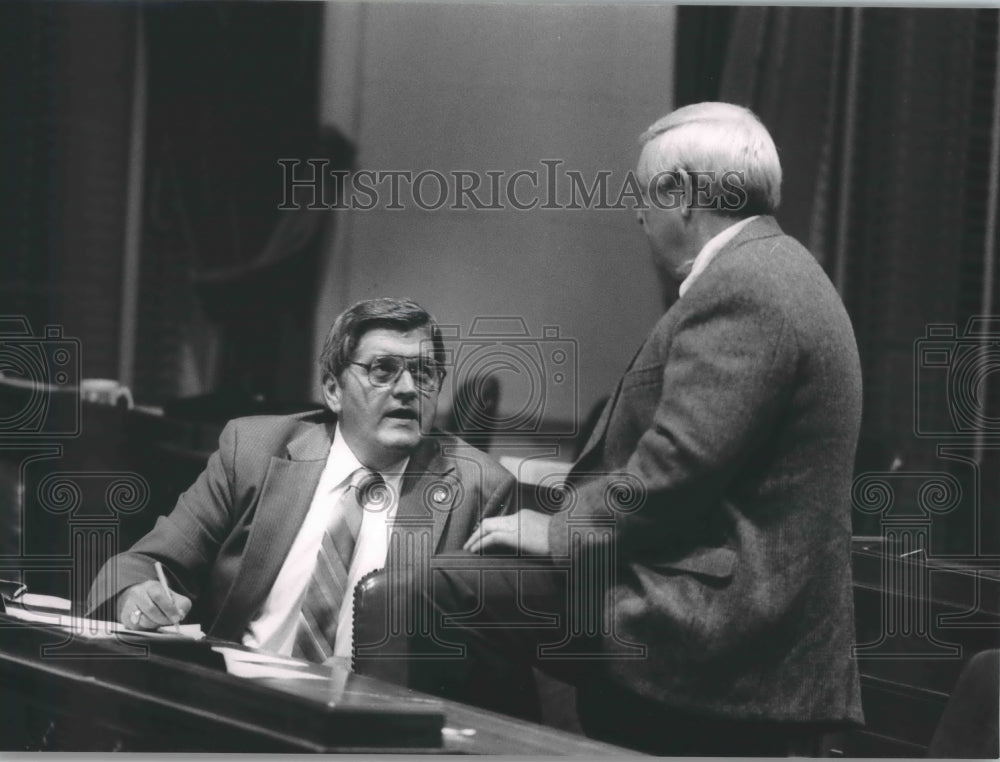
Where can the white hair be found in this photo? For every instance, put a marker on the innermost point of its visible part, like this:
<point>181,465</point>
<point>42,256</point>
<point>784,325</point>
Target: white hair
<point>725,141</point>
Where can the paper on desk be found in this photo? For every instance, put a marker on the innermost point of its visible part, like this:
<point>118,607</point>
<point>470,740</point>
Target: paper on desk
<point>249,669</point>
<point>252,664</point>
<point>39,608</point>
<point>97,628</point>
<point>166,632</point>
<point>88,628</point>
<point>192,631</point>
<point>255,657</point>
<point>44,617</point>
<point>52,602</point>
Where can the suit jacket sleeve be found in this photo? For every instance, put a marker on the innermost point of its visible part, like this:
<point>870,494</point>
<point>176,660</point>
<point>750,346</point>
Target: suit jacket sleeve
<point>727,373</point>
<point>186,541</point>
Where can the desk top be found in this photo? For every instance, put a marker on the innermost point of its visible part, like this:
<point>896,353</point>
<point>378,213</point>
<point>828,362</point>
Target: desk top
<point>175,696</point>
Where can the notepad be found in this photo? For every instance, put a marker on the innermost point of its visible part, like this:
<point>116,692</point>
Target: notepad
<point>192,631</point>
<point>45,609</point>
<point>46,602</point>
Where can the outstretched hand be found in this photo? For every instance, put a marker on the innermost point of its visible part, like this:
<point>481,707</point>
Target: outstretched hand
<point>525,531</point>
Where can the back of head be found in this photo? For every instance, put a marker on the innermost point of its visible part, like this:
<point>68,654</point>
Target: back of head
<point>728,151</point>
<point>359,318</point>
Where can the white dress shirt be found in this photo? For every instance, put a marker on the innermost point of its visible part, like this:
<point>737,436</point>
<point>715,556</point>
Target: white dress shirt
<point>710,249</point>
<point>274,627</point>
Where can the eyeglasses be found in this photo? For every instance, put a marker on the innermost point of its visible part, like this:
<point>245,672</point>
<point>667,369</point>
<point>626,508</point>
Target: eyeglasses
<point>385,370</point>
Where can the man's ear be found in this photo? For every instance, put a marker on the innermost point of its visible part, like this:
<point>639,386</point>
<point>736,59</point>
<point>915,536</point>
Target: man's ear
<point>685,199</point>
<point>331,394</point>
<point>673,189</point>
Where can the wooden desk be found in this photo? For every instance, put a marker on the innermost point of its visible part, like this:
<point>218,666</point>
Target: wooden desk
<point>99,695</point>
<point>919,621</point>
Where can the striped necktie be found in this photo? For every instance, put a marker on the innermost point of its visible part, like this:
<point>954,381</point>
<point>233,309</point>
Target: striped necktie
<point>317,631</point>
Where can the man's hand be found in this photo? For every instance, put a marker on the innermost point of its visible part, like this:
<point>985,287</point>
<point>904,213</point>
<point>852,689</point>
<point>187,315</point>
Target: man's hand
<point>527,531</point>
<point>147,606</point>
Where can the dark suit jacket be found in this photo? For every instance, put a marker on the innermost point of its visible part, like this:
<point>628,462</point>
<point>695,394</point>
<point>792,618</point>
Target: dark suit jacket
<point>227,538</point>
<point>739,417</point>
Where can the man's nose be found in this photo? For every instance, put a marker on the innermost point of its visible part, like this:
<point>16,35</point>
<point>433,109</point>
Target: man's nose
<point>404,385</point>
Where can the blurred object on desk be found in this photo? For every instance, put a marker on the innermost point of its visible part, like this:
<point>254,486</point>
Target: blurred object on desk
<point>106,391</point>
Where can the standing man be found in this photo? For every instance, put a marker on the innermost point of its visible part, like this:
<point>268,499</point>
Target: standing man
<point>738,420</point>
<point>267,545</point>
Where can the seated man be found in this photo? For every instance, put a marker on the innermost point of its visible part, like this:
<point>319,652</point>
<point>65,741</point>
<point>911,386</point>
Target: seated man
<point>267,545</point>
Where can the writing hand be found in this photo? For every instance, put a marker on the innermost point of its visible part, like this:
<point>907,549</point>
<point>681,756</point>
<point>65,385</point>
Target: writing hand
<point>148,605</point>
<point>527,531</point>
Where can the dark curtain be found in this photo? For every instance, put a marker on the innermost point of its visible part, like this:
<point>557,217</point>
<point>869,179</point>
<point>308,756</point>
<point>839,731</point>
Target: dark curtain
<point>882,118</point>
<point>66,83</point>
<point>702,41</point>
<point>232,88</point>
<point>67,77</point>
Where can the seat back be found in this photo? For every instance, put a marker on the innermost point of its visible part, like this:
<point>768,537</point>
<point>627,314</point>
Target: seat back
<point>969,726</point>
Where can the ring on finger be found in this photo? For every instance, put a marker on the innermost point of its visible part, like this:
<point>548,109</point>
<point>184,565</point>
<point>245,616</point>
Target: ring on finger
<point>136,616</point>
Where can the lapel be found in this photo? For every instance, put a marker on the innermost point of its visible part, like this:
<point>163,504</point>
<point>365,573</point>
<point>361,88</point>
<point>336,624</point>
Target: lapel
<point>285,496</point>
<point>428,491</point>
<point>601,427</point>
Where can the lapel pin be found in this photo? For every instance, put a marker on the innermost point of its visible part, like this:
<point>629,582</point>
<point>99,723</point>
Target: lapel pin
<point>439,495</point>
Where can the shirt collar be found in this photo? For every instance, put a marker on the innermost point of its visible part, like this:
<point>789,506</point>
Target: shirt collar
<point>711,249</point>
<point>342,462</point>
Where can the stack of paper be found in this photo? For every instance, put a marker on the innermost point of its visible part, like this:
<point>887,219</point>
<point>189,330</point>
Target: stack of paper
<point>255,664</point>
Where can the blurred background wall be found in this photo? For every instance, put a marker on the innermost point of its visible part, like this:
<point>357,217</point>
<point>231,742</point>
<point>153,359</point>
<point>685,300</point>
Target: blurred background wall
<point>503,87</point>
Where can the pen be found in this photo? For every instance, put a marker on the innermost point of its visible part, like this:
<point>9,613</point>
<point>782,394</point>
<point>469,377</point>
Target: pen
<point>163,581</point>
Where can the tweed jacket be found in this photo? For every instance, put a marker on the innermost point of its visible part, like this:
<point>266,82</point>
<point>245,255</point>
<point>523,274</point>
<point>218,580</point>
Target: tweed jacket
<point>227,538</point>
<point>736,426</point>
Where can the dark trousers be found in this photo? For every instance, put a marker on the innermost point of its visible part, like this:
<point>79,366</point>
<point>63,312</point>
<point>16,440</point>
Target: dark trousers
<point>471,630</point>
